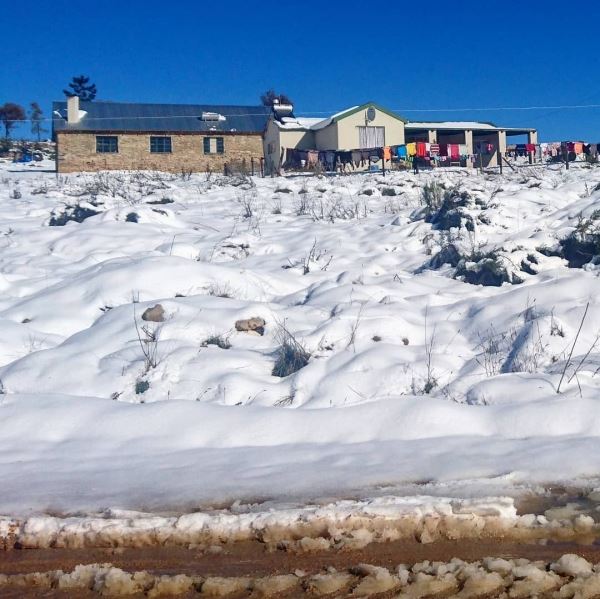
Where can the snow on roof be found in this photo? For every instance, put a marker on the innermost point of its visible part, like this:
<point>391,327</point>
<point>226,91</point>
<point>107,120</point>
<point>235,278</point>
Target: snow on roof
<point>449,125</point>
<point>314,124</point>
<point>337,114</point>
<point>297,123</point>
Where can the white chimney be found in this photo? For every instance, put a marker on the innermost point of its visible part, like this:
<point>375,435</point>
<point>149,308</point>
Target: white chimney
<point>73,110</point>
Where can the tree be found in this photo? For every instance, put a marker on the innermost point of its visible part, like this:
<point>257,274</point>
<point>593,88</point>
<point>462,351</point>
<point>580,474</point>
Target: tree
<point>81,86</point>
<point>10,116</point>
<point>36,116</point>
<point>269,98</point>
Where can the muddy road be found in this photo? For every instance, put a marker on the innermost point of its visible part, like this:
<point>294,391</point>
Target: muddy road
<point>252,559</point>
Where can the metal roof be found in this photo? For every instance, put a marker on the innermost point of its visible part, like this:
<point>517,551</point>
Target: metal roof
<point>461,125</point>
<point>449,125</point>
<point>121,116</point>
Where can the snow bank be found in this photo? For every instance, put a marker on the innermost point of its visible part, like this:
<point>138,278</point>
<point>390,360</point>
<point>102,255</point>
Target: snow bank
<point>341,526</point>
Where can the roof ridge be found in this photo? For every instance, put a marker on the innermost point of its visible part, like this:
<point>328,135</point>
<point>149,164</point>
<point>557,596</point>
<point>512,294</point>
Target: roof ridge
<point>115,103</point>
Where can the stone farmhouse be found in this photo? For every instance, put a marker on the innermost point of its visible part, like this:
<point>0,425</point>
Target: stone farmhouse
<point>93,136</point>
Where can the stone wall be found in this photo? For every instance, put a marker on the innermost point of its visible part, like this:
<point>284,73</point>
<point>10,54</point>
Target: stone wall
<point>77,152</point>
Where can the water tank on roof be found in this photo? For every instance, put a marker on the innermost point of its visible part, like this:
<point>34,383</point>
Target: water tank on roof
<point>282,109</point>
<point>212,116</point>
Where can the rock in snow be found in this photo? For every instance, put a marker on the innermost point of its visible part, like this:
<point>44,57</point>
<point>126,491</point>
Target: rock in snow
<point>154,314</point>
<point>254,325</point>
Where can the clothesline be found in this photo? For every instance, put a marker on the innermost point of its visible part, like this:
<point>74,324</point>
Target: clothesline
<point>438,153</point>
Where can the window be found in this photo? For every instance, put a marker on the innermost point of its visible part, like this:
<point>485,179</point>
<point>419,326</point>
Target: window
<point>214,145</point>
<point>271,148</point>
<point>160,145</point>
<point>107,144</point>
<point>371,137</point>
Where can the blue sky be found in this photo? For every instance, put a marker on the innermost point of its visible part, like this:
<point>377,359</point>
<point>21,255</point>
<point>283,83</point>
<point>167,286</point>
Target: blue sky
<point>325,55</point>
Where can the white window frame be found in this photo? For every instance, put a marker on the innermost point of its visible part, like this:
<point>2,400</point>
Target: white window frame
<point>371,137</point>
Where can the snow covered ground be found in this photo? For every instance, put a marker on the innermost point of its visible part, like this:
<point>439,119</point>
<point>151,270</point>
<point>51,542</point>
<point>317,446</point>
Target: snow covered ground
<point>417,380</point>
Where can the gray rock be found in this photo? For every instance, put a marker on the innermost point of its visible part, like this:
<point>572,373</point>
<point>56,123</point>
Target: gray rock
<point>154,314</point>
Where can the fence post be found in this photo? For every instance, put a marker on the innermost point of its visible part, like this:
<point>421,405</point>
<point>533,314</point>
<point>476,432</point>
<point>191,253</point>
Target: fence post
<point>252,164</point>
<point>262,168</point>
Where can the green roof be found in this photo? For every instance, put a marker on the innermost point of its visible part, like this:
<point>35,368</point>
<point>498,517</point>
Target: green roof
<point>351,111</point>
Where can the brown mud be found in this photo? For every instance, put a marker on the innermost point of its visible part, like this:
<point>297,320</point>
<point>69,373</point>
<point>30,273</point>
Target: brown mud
<point>254,560</point>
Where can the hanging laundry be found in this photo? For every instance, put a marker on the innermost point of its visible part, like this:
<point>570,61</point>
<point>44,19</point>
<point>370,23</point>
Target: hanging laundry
<point>463,150</point>
<point>578,148</point>
<point>330,160</point>
<point>443,149</point>
<point>401,152</point>
<point>312,159</point>
<point>387,153</point>
<point>356,158</point>
<point>421,150</point>
<point>344,157</point>
<point>530,148</point>
<point>411,148</point>
<point>434,149</point>
<point>454,151</point>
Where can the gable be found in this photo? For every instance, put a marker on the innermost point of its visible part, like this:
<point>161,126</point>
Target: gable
<point>363,107</point>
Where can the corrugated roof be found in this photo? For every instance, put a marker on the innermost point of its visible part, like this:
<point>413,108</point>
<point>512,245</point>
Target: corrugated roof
<point>460,125</point>
<point>121,116</point>
<point>449,125</point>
